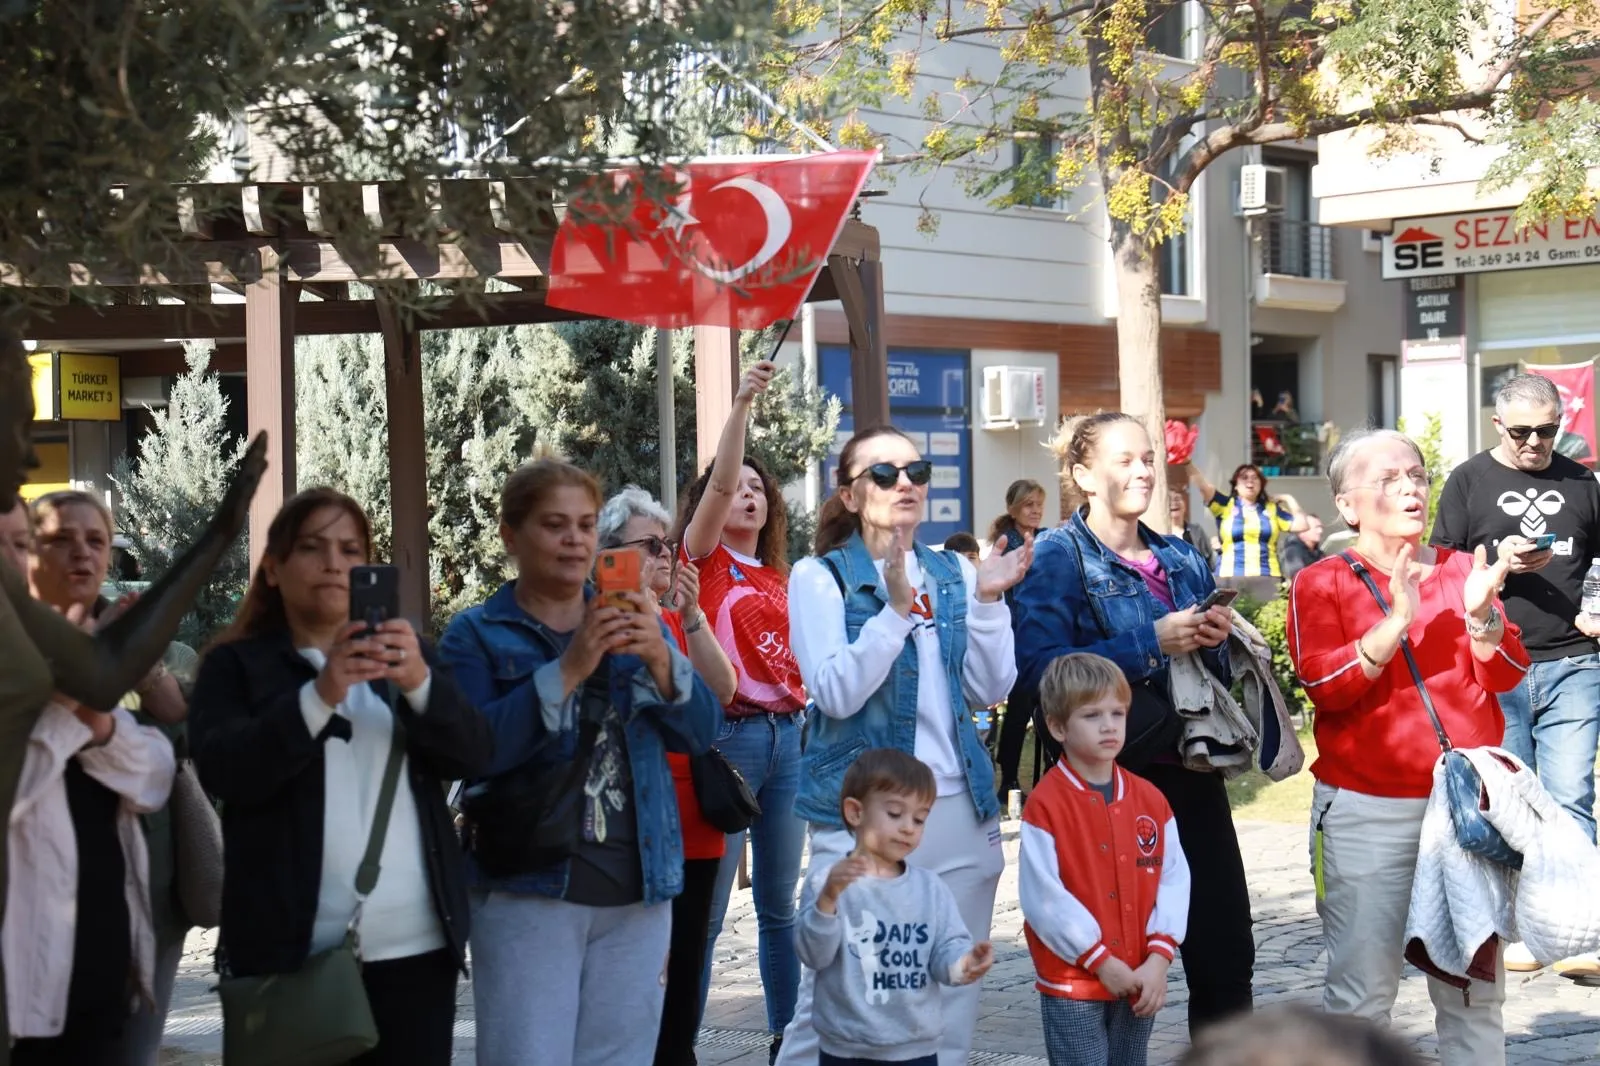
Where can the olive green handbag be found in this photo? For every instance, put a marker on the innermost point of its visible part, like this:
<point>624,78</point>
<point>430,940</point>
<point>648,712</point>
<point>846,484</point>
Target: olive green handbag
<point>318,1015</point>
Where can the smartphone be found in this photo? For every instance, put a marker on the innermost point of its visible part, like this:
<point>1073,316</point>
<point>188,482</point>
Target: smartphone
<point>374,594</point>
<point>617,571</point>
<point>1544,543</point>
<point>1219,598</point>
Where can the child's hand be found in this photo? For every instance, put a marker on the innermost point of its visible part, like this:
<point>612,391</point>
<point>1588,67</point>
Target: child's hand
<point>1152,978</point>
<point>975,963</point>
<point>1119,980</point>
<point>844,873</point>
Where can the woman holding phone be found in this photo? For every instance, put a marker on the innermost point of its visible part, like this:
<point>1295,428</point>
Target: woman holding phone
<point>291,721</point>
<point>1106,583</point>
<point>896,642</point>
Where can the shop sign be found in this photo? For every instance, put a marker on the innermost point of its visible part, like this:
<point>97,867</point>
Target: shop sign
<point>1483,241</point>
<point>77,388</point>
<point>54,472</point>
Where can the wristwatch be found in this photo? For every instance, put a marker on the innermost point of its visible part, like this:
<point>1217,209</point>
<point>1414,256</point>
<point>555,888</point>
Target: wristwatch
<point>1488,625</point>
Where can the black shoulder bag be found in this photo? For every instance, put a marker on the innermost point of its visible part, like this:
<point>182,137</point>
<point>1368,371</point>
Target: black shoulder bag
<point>1154,726</point>
<point>1463,787</point>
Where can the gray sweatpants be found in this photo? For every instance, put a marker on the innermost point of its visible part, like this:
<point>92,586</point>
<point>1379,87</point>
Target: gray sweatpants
<point>562,984</point>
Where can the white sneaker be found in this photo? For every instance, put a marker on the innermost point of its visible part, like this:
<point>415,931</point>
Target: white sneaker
<point>1520,960</point>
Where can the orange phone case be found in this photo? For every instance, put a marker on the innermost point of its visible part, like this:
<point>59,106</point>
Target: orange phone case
<point>617,570</point>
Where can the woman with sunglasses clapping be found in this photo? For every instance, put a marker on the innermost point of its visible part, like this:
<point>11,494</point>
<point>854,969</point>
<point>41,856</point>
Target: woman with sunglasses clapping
<point>895,641</point>
<point>735,529</point>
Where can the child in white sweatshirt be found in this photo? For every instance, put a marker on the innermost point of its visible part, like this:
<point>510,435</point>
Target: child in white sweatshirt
<point>882,935</point>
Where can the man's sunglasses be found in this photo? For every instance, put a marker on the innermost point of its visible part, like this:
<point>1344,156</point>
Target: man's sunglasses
<point>887,475</point>
<point>657,546</point>
<point>1522,433</point>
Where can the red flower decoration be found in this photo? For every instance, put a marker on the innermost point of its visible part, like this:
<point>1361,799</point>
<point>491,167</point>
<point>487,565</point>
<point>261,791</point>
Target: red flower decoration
<point>1180,441</point>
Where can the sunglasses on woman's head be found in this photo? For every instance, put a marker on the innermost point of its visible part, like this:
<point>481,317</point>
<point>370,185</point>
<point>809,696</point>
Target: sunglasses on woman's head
<point>1520,434</point>
<point>887,475</point>
<point>653,544</point>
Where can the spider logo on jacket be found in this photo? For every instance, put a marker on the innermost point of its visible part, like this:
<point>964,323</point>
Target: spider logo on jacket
<point>1146,833</point>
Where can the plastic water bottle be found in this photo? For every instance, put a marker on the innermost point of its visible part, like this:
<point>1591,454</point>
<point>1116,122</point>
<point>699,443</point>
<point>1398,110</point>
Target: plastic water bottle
<point>1591,590</point>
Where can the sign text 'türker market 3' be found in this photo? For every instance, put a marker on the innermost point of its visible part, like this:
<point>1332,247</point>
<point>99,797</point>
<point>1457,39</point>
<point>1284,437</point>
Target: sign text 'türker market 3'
<point>1483,241</point>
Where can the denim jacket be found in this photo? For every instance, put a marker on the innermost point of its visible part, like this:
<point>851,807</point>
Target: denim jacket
<point>508,664</point>
<point>889,718</point>
<point>1076,585</point>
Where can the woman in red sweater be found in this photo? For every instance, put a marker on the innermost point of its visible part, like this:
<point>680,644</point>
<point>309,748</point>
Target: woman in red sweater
<point>1376,744</point>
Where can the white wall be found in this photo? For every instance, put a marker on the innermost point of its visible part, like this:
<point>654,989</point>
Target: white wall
<point>1001,456</point>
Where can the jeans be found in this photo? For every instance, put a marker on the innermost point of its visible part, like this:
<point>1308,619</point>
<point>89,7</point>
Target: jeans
<point>1553,725</point>
<point>766,750</point>
<point>1219,951</point>
<point>1094,1032</point>
<point>141,1037</point>
<point>1369,859</point>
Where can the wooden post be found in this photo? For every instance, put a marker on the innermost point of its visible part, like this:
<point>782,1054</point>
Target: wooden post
<point>716,378</point>
<point>860,291</point>
<point>269,376</point>
<point>408,457</point>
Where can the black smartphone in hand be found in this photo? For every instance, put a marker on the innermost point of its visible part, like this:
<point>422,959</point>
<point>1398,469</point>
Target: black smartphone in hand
<point>374,595</point>
<point>1219,598</point>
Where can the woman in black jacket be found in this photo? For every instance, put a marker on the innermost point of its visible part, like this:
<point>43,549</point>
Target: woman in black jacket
<point>290,730</point>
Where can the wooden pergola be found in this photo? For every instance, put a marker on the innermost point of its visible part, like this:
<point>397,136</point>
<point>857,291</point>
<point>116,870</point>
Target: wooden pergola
<point>274,244</point>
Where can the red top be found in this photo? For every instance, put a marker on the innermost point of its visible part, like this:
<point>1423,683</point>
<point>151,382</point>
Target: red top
<point>701,839</point>
<point>747,607</point>
<point>1373,735</point>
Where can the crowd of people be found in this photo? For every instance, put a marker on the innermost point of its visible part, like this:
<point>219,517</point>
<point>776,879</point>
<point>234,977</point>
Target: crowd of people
<point>577,861</point>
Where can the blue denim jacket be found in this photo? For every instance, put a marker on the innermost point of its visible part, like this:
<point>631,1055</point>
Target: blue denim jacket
<point>889,719</point>
<point>1076,583</point>
<point>507,663</point>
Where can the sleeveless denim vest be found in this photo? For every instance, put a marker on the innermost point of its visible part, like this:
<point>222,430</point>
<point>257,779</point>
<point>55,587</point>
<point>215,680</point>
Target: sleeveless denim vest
<point>889,718</point>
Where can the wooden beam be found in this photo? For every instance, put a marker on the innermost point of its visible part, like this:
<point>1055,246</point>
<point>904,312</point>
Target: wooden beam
<point>869,371</point>
<point>259,221</point>
<point>269,364</point>
<point>716,377</point>
<point>408,457</point>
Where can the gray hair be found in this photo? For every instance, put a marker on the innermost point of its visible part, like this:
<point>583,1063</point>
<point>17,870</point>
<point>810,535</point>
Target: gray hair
<point>632,502</point>
<point>1345,451</point>
<point>1527,388</point>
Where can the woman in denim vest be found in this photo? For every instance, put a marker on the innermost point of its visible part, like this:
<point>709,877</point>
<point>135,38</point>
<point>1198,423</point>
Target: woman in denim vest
<point>895,641</point>
<point>1106,583</point>
<point>560,947</point>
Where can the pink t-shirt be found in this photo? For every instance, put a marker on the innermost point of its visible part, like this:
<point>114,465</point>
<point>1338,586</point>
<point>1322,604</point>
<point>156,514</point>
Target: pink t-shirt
<point>1155,578</point>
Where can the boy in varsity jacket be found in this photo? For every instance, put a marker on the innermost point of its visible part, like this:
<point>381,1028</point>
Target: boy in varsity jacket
<point>1103,882</point>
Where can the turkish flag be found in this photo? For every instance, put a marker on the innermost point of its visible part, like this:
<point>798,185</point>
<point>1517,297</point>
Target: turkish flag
<point>1575,383</point>
<point>734,242</point>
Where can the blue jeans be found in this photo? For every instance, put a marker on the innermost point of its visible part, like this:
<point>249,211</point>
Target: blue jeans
<point>1091,1032</point>
<point>1553,725</point>
<point>766,750</point>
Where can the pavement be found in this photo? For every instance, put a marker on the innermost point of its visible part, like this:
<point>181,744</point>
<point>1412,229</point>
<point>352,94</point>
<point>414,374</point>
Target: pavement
<point>1548,1018</point>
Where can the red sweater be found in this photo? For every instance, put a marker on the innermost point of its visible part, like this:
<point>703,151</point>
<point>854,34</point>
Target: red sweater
<point>1373,735</point>
<point>701,839</point>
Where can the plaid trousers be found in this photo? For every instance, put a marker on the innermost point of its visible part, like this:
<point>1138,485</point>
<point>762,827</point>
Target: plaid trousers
<point>1091,1032</point>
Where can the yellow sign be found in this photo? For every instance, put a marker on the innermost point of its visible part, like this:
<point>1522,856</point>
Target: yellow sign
<point>54,473</point>
<point>43,365</point>
<point>90,387</point>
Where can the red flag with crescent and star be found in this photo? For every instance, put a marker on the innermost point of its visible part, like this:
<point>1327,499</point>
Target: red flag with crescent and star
<point>1575,383</point>
<point>717,242</point>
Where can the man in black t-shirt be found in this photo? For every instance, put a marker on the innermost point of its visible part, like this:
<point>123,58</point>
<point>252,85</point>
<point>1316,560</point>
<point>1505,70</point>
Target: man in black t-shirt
<point>1507,498</point>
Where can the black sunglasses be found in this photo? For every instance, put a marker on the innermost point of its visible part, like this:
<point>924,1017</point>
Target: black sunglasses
<point>653,544</point>
<point>887,475</point>
<point>1519,434</point>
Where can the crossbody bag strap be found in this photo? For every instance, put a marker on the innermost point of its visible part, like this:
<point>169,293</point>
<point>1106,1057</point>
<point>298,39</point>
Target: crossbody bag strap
<point>367,872</point>
<point>1365,575</point>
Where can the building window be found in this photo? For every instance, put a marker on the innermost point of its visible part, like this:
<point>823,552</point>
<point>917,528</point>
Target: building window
<point>1383,391</point>
<point>1168,34</point>
<point>1033,160</point>
<point>1172,257</point>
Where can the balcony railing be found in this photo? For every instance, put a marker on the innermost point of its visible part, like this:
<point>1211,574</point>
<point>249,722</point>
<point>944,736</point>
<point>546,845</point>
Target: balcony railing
<point>1298,249</point>
<point>1287,448</point>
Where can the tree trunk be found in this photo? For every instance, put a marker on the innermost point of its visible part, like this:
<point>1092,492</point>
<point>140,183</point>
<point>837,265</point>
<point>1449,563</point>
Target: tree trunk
<point>1139,353</point>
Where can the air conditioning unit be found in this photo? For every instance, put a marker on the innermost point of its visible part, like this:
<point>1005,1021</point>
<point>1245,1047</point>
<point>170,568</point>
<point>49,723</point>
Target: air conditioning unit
<point>1261,189</point>
<point>1013,396</point>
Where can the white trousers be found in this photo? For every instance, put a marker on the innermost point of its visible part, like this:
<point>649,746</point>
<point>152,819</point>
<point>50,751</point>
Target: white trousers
<point>966,855</point>
<point>1369,857</point>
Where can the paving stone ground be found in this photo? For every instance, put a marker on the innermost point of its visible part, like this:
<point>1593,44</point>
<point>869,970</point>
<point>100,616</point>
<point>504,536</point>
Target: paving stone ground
<point>1548,1019</point>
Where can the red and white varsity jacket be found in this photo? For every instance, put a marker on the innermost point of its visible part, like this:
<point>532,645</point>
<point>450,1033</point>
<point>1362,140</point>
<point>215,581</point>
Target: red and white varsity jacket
<point>1098,880</point>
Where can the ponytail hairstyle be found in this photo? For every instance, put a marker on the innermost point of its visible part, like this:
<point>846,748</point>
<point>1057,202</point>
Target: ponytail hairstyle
<point>836,523</point>
<point>1075,443</point>
<point>772,543</point>
<point>1020,490</point>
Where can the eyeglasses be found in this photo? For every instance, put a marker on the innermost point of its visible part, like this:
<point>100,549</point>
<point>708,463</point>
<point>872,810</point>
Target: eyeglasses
<point>1520,434</point>
<point>657,546</point>
<point>887,475</point>
<point>1396,484</point>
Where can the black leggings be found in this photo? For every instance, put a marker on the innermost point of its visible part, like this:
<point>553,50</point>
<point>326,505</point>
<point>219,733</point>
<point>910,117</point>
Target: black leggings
<point>686,956</point>
<point>1219,952</point>
<point>1014,736</point>
<point>414,1003</point>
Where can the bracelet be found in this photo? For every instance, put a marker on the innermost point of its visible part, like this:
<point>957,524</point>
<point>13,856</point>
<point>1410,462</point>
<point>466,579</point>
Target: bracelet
<point>695,626</point>
<point>1369,660</point>
<point>1476,629</point>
